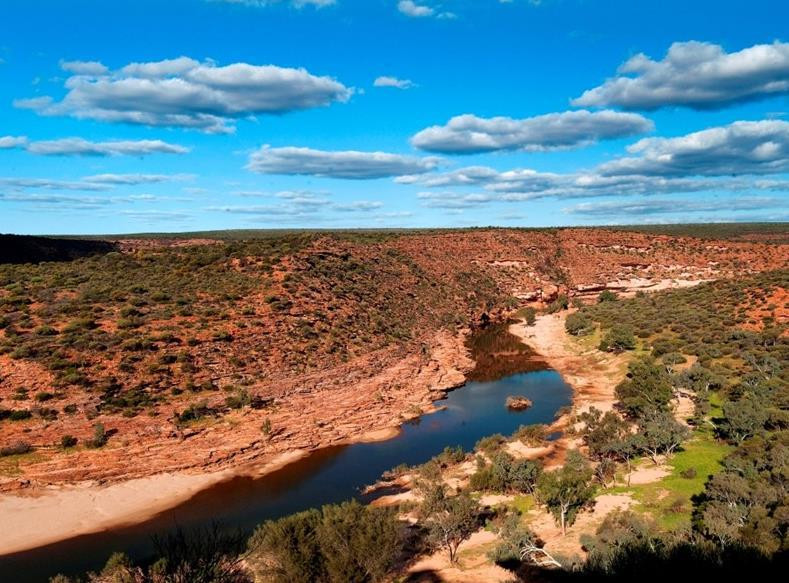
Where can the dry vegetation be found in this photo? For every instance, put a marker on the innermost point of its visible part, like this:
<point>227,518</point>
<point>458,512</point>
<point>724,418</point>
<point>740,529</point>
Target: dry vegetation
<point>230,341</point>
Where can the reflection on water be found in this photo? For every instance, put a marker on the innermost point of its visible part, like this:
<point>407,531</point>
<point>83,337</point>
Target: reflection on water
<point>336,473</point>
<point>498,353</point>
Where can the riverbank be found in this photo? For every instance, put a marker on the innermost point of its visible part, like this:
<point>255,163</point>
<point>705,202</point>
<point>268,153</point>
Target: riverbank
<point>39,514</point>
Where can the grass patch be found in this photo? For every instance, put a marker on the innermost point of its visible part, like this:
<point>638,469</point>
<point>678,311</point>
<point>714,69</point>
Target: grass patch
<point>10,466</point>
<point>523,503</point>
<point>668,500</point>
<point>716,405</point>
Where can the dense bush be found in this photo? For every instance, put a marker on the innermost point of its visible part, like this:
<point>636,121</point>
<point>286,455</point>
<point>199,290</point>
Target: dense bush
<point>507,475</point>
<point>578,324</point>
<point>618,339</point>
<point>336,544</point>
<point>17,448</point>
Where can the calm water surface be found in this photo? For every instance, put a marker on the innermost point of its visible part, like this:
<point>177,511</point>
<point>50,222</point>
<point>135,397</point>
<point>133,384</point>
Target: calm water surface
<point>504,367</point>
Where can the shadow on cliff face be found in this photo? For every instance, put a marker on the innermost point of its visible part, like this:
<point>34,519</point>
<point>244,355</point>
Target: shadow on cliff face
<point>28,249</point>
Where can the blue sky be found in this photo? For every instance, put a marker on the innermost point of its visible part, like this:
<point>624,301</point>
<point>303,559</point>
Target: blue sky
<point>134,116</point>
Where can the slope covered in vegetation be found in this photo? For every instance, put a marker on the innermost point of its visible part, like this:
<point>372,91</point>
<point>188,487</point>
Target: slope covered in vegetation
<point>133,352</point>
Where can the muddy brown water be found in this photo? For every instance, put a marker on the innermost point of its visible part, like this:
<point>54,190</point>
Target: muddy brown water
<point>504,367</point>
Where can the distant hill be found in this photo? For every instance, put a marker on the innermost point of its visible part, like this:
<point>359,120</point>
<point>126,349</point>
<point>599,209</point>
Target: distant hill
<point>29,249</point>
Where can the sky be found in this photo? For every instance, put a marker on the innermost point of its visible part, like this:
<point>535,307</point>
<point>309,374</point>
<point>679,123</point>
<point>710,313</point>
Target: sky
<point>187,115</point>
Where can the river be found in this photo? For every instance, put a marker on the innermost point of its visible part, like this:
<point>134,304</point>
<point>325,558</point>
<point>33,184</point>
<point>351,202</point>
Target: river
<point>504,367</point>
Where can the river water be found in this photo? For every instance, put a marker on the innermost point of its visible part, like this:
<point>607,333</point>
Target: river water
<point>504,367</point>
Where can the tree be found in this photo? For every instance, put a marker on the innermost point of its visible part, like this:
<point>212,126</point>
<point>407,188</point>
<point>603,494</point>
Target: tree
<point>345,542</point>
<point>699,379</point>
<point>620,528</point>
<point>287,549</point>
<point>646,388</point>
<point>568,490</point>
<point>746,502</point>
<point>518,542</point>
<point>530,315</point>
<point>618,339</point>
<point>660,433</point>
<point>671,360</point>
<point>607,296</point>
<point>450,519</point>
<point>602,432</point>
<point>359,543</point>
<point>202,555</point>
<point>506,474</point>
<point>743,418</point>
<point>578,324</point>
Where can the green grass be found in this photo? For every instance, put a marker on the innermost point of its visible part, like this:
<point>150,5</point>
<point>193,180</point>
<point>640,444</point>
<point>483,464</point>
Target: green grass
<point>716,405</point>
<point>522,503</point>
<point>668,500</point>
<point>10,466</point>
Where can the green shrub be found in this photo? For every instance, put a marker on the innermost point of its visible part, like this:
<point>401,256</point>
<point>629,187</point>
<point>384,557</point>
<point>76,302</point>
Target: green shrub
<point>559,304</point>
<point>618,339</point>
<point>578,324</point>
<point>607,296</point>
<point>100,436</point>
<point>68,441</point>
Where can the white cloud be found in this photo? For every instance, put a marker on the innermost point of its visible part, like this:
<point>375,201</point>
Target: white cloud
<point>185,93</point>
<point>467,176</point>
<point>84,67</point>
<point>9,142</point>
<point>743,147</point>
<point>695,74</point>
<point>385,81</point>
<point>414,10</point>
<point>469,134</point>
<point>337,164</point>
<point>95,182</point>
<point>157,216</point>
<point>296,3</point>
<point>358,206</point>
<point>410,8</point>
<point>51,184</point>
<point>83,147</point>
<point>128,179</point>
<point>673,206</point>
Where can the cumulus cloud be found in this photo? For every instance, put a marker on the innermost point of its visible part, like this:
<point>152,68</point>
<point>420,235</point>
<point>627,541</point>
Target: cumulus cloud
<point>385,81</point>
<point>414,10</point>
<point>84,67</point>
<point>410,8</point>
<point>469,134</point>
<point>337,164</point>
<point>525,184</point>
<point>186,93</point>
<point>743,147</point>
<point>697,75</point>
<point>83,147</point>
<point>9,142</point>
<point>467,176</point>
